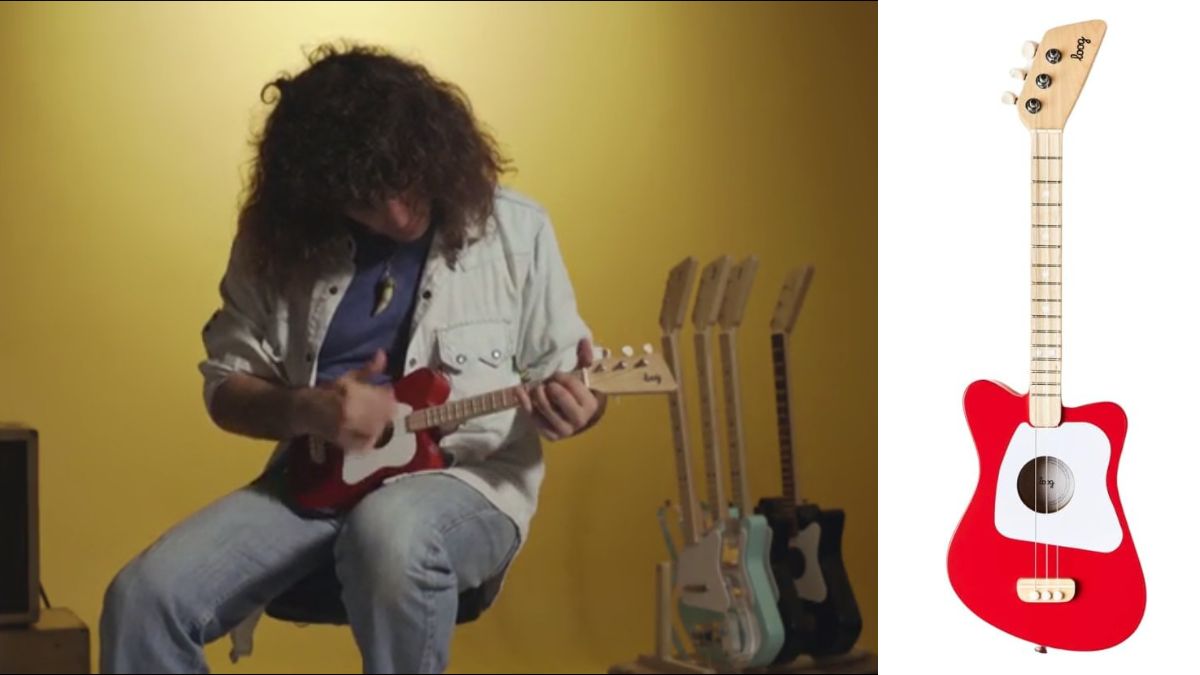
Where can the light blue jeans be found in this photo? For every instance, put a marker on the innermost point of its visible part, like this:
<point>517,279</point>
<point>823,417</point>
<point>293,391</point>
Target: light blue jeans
<point>402,556</point>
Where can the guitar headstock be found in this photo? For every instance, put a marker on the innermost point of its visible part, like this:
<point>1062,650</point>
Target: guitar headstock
<point>737,292</point>
<point>1054,77</point>
<point>675,299</point>
<point>631,373</point>
<point>791,299</point>
<point>713,280</point>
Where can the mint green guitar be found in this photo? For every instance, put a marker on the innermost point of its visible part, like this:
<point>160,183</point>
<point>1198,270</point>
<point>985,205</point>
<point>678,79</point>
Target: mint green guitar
<point>743,542</point>
<point>749,532</point>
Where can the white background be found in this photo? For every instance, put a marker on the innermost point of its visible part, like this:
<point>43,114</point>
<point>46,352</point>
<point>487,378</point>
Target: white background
<point>953,302</point>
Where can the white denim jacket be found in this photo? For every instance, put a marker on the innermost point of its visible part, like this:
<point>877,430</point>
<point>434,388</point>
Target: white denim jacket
<point>504,307</point>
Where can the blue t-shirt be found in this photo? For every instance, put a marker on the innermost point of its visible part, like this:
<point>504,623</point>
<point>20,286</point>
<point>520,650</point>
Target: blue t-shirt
<point>353,334</point>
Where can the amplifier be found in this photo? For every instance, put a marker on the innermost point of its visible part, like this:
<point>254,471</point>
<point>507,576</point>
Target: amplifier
<point>18,525</point>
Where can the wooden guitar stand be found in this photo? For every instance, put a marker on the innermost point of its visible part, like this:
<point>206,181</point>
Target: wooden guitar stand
<point>663,661</point>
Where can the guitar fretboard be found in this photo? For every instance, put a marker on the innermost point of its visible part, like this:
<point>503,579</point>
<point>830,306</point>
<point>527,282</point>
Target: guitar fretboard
<point>733,421</point>
<point>456,412</point>
<point>461,410</point>
<point>708,426</point>
<point>679,434</point>
<point>1045,365</point>
<point>783,417</point>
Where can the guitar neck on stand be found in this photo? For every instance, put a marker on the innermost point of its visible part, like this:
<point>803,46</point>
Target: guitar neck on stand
<point>787,310</point>
<point>713,281</point>
<point>737,295</point>
<point>671,319</point>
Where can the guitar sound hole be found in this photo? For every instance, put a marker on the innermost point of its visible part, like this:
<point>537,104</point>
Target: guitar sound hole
<point>1046,484</point>
<point>386,436</point>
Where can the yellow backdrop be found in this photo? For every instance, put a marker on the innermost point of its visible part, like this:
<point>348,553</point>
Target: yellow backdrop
<point>650,132</point>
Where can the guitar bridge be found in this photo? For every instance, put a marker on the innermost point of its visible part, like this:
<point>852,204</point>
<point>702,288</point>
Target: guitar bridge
<point>1046,591</point>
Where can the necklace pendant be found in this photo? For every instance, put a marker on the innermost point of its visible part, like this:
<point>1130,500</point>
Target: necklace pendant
<point>383,295</point>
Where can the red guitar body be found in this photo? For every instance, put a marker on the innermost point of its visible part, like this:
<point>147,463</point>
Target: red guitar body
<point>317,481</point>
<point>984,565</point>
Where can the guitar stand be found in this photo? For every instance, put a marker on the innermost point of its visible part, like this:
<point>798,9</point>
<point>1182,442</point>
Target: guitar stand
<point>663,661</point>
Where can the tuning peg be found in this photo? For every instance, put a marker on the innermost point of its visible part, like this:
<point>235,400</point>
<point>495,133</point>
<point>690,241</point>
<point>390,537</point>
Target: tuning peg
<point>648,349</point>
<point>1019,73</point>
<point>1029,49</point>
<point>627,350</point>
<point>1009,98</point>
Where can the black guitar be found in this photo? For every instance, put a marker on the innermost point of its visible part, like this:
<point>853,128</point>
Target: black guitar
<point>820,614</point>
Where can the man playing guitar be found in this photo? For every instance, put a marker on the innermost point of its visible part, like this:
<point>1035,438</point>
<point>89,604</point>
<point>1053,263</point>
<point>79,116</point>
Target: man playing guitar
<point>374,240</point>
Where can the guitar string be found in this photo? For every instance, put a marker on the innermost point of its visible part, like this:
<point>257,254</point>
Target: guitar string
<point>1052,151</point>
<point>1036,153</point>
<point>1058,200</point>
<point>1045,153</point>
<point>1042,465</point>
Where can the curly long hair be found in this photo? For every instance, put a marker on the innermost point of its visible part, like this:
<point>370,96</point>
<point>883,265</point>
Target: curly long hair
<point>358,125</point>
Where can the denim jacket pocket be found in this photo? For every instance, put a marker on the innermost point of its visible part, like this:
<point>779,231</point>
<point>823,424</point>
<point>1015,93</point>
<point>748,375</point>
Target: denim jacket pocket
<point>477,353</point>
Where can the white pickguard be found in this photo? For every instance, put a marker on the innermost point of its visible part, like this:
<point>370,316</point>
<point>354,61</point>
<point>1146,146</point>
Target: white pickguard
<point>700,565</point>
<point>399,451</point>
<point>811,585</point>
<point>1089,520</point>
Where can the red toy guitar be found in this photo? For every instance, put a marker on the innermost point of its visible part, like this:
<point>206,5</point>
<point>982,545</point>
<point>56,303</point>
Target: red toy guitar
<point>322,478</point>
<point>1043,551</point>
